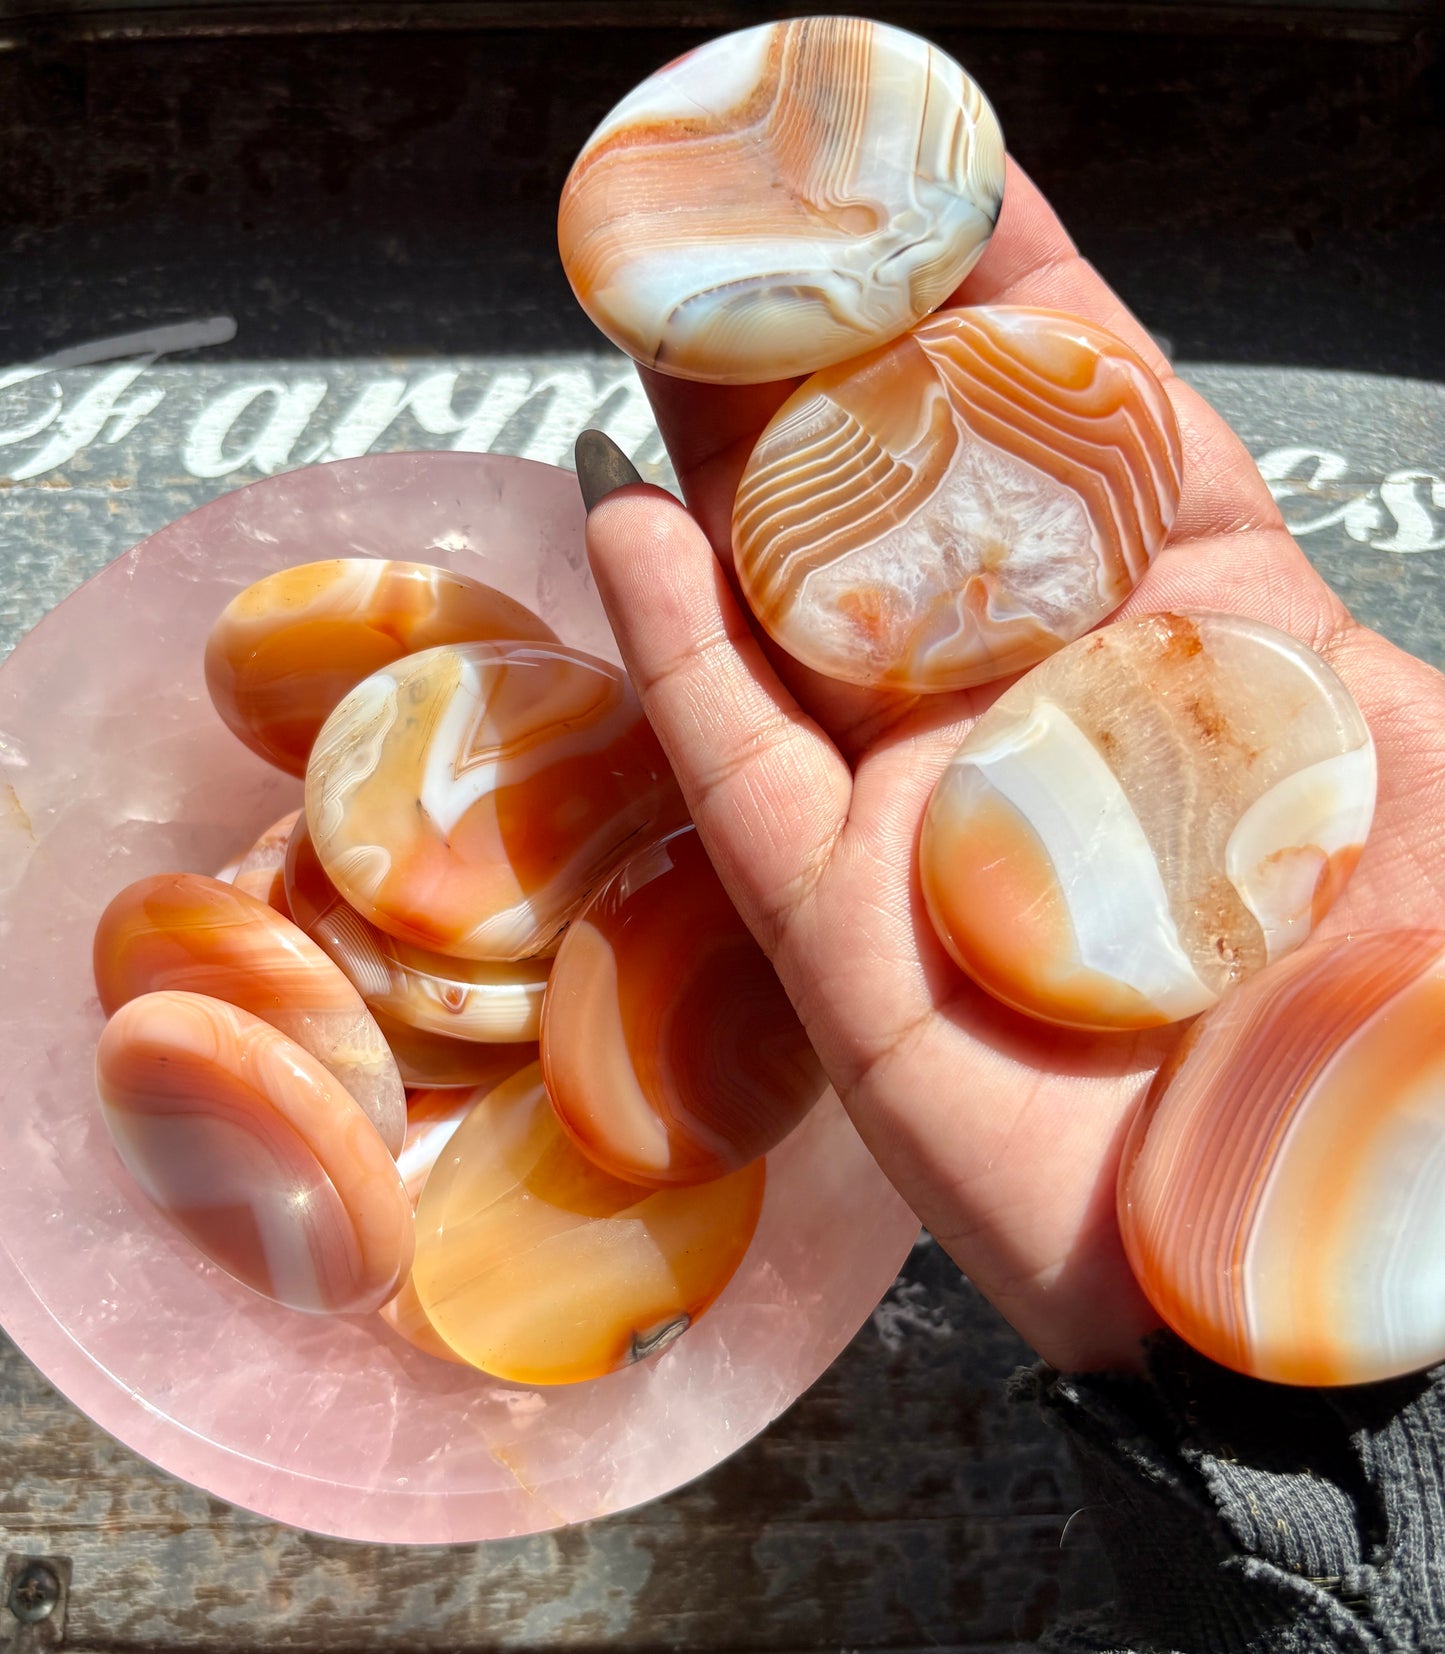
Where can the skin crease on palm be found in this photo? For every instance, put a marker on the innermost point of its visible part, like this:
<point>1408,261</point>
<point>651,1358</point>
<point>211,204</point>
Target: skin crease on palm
<point>1002,1133</point>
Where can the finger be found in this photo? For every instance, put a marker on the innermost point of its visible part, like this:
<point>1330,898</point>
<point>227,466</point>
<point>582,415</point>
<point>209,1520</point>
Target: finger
<point>769,792</point>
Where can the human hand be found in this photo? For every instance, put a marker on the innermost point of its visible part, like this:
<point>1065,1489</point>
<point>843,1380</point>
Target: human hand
<point>1002,1133</point>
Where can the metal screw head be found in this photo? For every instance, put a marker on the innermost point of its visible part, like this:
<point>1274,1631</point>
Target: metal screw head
<point>34,1593</point>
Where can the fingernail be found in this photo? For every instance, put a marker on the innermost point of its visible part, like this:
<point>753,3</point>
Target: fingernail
<point>601,467</point>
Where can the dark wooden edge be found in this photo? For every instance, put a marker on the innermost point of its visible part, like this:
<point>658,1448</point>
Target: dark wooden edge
<point>1366,20</point>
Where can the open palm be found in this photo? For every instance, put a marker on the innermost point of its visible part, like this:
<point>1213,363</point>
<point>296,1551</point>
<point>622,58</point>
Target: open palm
<point>1001,1132</point>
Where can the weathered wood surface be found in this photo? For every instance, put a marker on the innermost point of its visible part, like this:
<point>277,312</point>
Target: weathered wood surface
<point>901,1503</point>
<point>370,220</point>
<point>1372,20</point>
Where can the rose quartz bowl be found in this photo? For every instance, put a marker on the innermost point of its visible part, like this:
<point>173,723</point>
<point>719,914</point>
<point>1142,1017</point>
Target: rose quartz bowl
<point>112,766</point>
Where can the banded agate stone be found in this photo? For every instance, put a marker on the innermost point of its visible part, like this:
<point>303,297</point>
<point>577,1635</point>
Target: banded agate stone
<point>432,1119</point>
<point>781,198</point>
<point>1148,817</point>
<point>1282,1191</point>
<point>289,647</point>
<point>470,798</point>
<point>185,931</point>
<point>261,871</point>
<point>670,1050</point>
<point>959,504</point>
<point>537,1266</point>
<point>463,999</point>
<point>255,1153</point>
<point>437,1062</point>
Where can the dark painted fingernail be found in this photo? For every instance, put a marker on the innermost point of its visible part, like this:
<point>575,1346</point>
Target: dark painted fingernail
<point>601,467</point>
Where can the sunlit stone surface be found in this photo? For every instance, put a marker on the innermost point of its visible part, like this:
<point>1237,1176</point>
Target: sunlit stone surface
<point>671,1052</point>
<point>200,935</point>
<point>436,1062</point>
<point>1147,818</point>
<point>1282,1192</point>
<point>535,1265</point>
<point>782,198</point>
<point>464,999</point>
<point>957,505</point>
<point>254,1152</point>
<point>287,649</point>
<point>469,799</point>
<point>261,871</point>
<point>432,1119</point>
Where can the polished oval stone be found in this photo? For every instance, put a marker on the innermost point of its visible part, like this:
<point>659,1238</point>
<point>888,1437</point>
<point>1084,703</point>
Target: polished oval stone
<point>491,1000</point>
<point>469,799</point>
<point>261,871</point>
<point>959,504</point>
<point>537,1266</point>
<point>406,1317</point>
<point>782,198</point>
<point>255,1152</point>
<point>432,1119</point>
<point>287,649</point>
<point>1282,1191</point>
<point>671,1052</point>
<point>1148,817</point>
<point>200,935</point>
<point>436,1062</point>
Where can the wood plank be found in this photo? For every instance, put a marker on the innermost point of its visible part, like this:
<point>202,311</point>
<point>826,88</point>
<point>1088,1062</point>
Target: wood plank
<point>902,1502</point>
<point>1378,20</point>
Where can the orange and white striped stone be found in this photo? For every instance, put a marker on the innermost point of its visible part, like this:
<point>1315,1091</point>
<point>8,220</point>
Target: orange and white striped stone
<point>782,198</point>
<point>260,872</point>
<point>959,504</point>
<point>671,1052</point>
<point>437,1062</point>
<point>491,1000</point>
<point>255,1152</point>
<point>1282,1191</point>
<point>185,931</point>
<point>289,647</point>
<point>432,1120</point>
<point>470,798</point>
<point>1145,819</point>
<point>537,1266</point>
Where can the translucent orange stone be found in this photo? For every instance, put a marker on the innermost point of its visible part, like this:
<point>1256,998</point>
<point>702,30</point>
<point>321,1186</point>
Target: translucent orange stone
<point>671,1052</point>
<point>1146,819</point>
<point>255,1152</point>
<point>1282,1191</point>
<point>469,799</point>
<point>185,931</point>
<point>261,871</point>
<point>435,1062</point>
<point>536,1266</point>
<point>287,649</point>
<point>432,1120</point>
<point>957,505</point>
<point>490,1000</point>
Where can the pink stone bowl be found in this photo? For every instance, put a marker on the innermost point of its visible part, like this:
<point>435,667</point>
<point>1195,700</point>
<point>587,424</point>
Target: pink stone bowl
<point>113,765</point>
